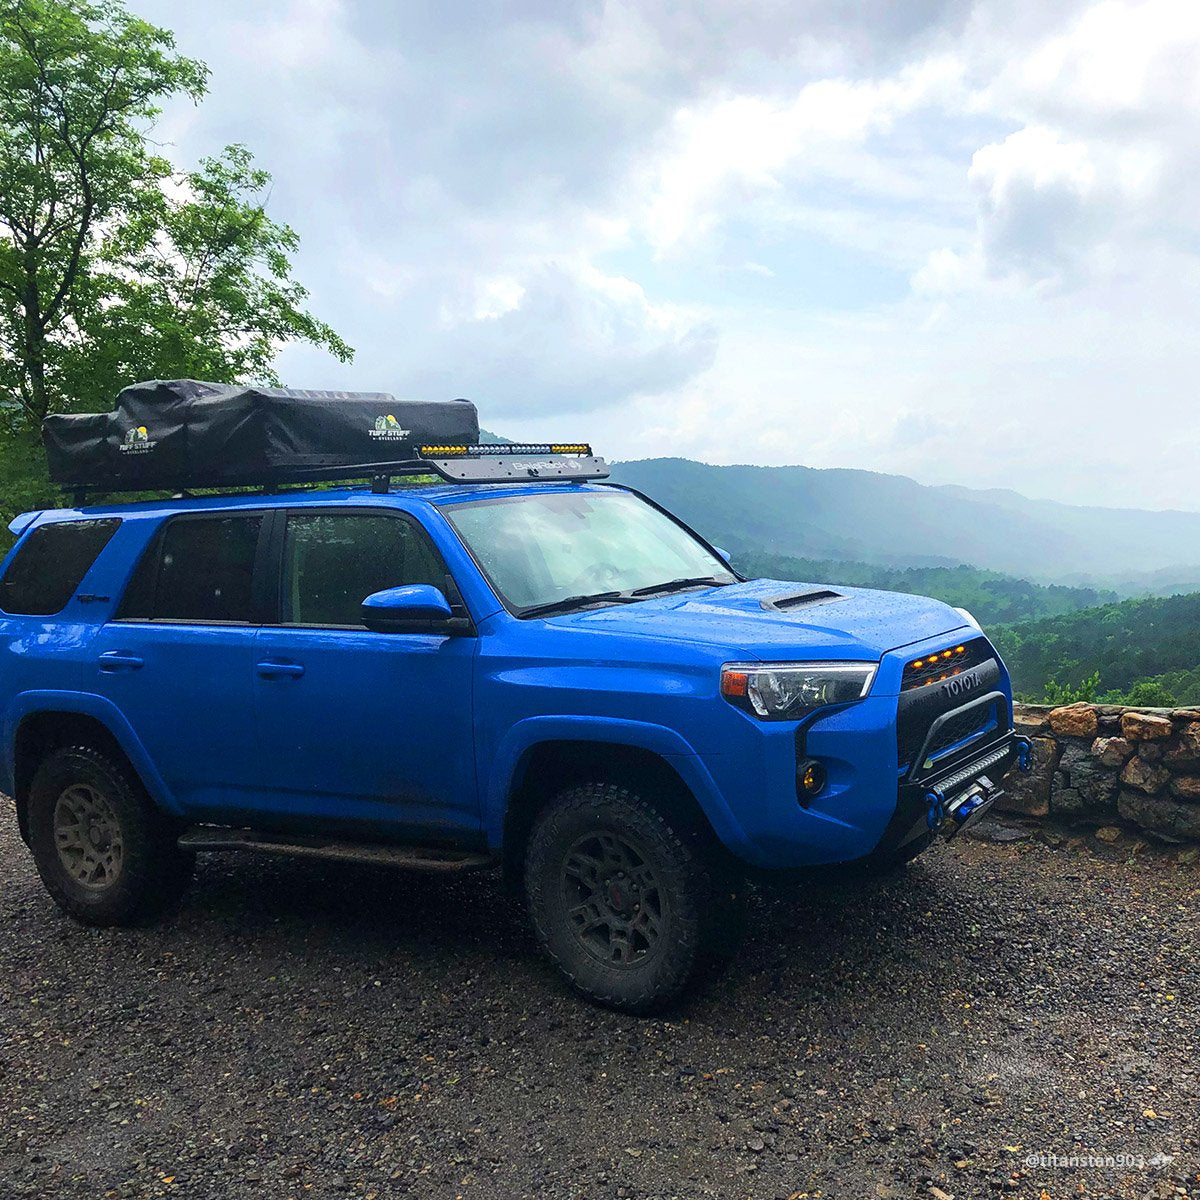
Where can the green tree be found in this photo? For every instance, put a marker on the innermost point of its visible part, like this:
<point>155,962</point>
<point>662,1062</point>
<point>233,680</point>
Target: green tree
<point>201,286</point>
<point>1065,693</point>
<point>113,266</point>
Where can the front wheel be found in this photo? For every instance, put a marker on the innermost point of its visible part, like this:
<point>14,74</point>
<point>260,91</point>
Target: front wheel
<point>106,855</point>
<point>620,901</point>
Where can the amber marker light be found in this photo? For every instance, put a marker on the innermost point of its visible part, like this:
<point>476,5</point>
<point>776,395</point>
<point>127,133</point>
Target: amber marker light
<point>735,683</point>
<point>810,779</point>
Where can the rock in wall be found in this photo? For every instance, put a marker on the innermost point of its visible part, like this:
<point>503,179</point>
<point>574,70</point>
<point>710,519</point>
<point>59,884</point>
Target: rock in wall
<point>1098,764</point>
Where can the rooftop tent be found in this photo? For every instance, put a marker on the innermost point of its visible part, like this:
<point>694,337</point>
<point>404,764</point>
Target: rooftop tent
<point>184,433</point>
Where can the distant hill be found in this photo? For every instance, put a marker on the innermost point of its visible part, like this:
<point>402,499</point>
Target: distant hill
<point>1127,643</point>
<point>1131,585</point>
<point>889,520</point>
<point>993,598</point>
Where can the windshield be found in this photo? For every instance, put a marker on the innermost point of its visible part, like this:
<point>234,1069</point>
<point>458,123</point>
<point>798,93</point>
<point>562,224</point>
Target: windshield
<point>538,549</point>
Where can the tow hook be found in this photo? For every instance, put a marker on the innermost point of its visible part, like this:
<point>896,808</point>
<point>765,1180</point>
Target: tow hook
<point>936,808</point>
<point>1024,753</point>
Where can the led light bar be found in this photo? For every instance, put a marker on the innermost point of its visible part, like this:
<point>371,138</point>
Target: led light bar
<point>504,449</point>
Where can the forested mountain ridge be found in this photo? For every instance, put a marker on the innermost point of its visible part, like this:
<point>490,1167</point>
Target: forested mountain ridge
<point>992,597</point>
<point>867,517</point>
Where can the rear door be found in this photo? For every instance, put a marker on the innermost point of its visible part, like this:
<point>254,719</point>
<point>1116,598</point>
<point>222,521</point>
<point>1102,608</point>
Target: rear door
<point>356,726</point>
<point>178,660</point>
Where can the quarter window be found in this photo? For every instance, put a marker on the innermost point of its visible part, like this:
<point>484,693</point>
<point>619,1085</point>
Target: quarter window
<point>333,561</point>
<point>51,564</point>
<point>202,569</point>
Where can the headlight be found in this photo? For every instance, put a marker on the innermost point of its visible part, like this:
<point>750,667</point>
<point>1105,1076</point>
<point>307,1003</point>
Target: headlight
<point>788,691</point>
<point>970,620</point>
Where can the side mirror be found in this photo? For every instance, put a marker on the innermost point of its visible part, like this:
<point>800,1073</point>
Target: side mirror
<point>725,555</point>
<point>414,608</point>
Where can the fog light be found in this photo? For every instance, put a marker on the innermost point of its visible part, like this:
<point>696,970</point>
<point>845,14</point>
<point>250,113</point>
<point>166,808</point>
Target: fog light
<point>810,779</point>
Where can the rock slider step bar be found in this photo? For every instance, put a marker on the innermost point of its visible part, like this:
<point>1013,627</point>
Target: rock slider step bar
<point>411,858</point>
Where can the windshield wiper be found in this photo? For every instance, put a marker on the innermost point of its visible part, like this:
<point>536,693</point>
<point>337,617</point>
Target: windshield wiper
<point>677,585</point>
<point>569,602</point>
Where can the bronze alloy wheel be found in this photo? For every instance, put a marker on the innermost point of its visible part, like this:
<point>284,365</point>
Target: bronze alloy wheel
<point>106,853</point>
<point>88,837</point>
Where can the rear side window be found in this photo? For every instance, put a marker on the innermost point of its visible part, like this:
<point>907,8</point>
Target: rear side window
<point>199,569</point>
<point>333,561</point>
<point>51,564</point>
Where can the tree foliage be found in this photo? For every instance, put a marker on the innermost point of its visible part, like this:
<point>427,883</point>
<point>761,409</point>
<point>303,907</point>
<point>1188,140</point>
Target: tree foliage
<point>1066,693</point>
<point>1126,644</point>
<point>202,288</point>
<point>113,266</point>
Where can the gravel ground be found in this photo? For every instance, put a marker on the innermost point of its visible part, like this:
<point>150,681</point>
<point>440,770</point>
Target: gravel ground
<point>305,1030</point>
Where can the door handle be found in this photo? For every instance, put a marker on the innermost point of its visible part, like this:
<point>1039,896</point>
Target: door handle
<point>269,669</point>
<point>112,661</point>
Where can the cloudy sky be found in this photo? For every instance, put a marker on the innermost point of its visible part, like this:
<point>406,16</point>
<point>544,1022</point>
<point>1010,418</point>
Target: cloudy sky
<point>957,241</point>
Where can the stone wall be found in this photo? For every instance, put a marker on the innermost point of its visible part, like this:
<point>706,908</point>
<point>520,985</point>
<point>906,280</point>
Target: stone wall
<point>1100,764</point>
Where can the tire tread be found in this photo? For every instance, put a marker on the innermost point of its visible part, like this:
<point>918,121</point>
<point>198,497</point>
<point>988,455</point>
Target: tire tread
<point>155,872</point>
<point>615,802</point>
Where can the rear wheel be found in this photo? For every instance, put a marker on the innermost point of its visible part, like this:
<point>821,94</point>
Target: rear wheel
<point>106,855</point>
<point>621,901</point>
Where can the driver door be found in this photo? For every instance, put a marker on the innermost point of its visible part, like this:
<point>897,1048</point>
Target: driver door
<point>354,726</point>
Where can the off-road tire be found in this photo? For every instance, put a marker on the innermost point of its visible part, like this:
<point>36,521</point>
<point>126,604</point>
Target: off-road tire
<point>678,888</point>
<point>148,874</point>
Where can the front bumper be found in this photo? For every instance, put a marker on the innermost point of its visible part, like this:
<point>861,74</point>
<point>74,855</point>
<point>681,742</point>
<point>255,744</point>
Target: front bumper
<point>951,798</point>
<point>902,764</point>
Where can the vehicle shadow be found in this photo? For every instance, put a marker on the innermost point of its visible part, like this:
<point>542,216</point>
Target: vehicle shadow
<point>810,941</point>
<point>355,908</point>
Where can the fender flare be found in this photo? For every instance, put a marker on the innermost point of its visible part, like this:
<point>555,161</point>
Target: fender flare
<point>87,704</point>
<point>526,735</point>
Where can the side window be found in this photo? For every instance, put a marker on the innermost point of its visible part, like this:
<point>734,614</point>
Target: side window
<point>333,561</point>
<point>51,564</point>
<point>199,569</point>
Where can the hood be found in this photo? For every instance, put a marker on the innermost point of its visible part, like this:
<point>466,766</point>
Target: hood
<point>769,619</point>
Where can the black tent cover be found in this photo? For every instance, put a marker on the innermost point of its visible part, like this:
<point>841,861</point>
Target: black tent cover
<point>184,433</point>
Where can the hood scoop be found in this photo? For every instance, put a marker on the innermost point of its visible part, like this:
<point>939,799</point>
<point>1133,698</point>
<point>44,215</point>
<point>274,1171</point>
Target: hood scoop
<point>805,598</point>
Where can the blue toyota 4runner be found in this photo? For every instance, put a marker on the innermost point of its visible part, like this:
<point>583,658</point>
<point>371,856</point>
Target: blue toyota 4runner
<point>523,667</point>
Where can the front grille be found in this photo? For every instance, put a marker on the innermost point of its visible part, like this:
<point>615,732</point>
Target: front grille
<point>944,663</point>
<point>930,693</point>
<point>972,724</point>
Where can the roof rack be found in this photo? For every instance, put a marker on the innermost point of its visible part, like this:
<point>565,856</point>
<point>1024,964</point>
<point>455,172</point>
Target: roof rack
<point>507,462</point>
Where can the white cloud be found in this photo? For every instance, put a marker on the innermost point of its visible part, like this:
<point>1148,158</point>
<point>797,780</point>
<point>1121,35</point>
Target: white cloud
<point>1119,61</point>
<point>726,155</point>
<point>1095,176</point>
<point>585,339</point>
<point>1039,198</point>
